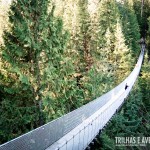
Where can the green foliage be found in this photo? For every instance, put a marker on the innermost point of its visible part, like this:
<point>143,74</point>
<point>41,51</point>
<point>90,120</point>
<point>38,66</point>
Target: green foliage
<point>113,43</point>
<point>148,39</point>
<point>107,12</point>
<point>38,77</point>
<point>133,118</point>
<point>142,20</point>
<point>130,27</point>
<point>18,111</point>
<point>46,72</point>
<point>121,54</point>
<point>84,37</point>
<point>145,83</point>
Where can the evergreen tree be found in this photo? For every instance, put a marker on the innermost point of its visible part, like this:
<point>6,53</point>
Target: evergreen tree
<point>107,18</point>
<point>39,75</point>
<point>84,39</point>
<point>93,72</point>
<point>121,54</point>
<point>114,52</point>
<point>130,27</point>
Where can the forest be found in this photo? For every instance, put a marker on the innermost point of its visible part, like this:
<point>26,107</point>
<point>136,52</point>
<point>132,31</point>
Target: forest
<point>57,55</point>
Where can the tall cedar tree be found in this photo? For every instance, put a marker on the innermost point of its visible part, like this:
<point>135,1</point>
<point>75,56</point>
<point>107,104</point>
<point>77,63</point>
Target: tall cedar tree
<point>108,11</point>
<point>121,54</point>
<point>130,27</point>
<point>113,49</point>
<point>33,51</point>
<point>108,15</point>
<point>84,35</point>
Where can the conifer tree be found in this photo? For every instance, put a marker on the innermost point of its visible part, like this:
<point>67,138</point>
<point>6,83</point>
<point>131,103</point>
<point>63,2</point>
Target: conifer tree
<point>107,18</point>
<point>107,12</point>
<point>112,43</point>
<point>84,22</point>
<point>148,39</point>
<point>121,54</point>
<point>37,69</point>
<point>130,27</point>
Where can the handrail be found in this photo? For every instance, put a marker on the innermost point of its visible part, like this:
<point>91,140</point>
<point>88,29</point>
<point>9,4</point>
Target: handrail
<point>78,128</point>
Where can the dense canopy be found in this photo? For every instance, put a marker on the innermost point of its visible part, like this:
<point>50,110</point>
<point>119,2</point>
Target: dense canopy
<point>56,56</point>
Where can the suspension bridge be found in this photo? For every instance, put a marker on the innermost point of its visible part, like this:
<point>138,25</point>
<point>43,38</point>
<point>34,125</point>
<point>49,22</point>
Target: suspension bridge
<point>77,129</point>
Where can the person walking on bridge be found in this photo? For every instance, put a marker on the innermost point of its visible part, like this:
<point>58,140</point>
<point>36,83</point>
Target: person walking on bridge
<point>126,86</point>
<point>142,43</point>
